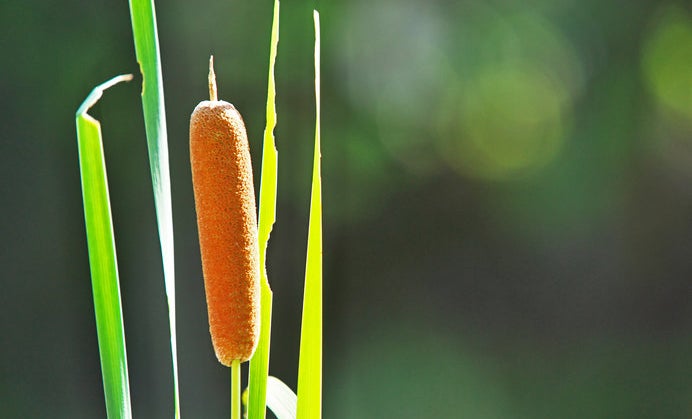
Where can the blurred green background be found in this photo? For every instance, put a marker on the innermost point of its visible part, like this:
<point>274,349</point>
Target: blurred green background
<point>507,204</point>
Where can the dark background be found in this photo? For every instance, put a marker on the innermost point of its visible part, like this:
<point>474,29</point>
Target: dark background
<point>507,204</point>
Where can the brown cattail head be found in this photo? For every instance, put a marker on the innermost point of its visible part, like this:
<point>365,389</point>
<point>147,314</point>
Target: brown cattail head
<point>227,223</point>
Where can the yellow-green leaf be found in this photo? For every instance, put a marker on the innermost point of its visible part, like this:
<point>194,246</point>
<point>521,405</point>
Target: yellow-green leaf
<point>310,363</point>
<point>259,364</point>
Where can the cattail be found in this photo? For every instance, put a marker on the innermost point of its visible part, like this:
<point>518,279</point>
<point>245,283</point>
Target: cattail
<point>227,223</point>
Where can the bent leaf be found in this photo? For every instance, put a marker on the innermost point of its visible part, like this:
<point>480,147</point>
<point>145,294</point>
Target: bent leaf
<point>102,258</point>
<point>281,400</point>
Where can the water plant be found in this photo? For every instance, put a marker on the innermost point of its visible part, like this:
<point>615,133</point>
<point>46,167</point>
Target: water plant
<point>245,276</point>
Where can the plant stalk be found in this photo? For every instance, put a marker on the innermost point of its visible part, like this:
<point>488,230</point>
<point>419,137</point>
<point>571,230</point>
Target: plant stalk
<point>235,389</point>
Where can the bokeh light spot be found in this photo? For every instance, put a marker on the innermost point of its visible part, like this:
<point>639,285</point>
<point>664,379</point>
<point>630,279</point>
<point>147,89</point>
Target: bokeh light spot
<point>510,109</point>
<point>511,122</point>
<point>667,61</point>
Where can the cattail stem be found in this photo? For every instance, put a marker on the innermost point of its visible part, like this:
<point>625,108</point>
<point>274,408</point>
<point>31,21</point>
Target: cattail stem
<point>235,389</point>
<point>212,81</point>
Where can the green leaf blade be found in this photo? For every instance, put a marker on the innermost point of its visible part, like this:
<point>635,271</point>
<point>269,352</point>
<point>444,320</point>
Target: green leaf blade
<point>143,16</point>
<point>102,257</point>
<point>259,364</point>
<point>310,363</point>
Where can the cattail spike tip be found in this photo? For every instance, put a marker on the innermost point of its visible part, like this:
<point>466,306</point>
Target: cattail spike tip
<point>212,81</point>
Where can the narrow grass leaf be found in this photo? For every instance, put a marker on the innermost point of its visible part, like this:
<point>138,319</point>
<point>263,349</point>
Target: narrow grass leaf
<point>146,39</point>
<point>102,257</point>
<point>310,363</point>
<point>281,400</point>
<point>259,364</point>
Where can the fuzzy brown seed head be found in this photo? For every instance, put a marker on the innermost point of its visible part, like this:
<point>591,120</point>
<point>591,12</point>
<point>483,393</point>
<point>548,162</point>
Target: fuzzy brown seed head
<point>227,223</point>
